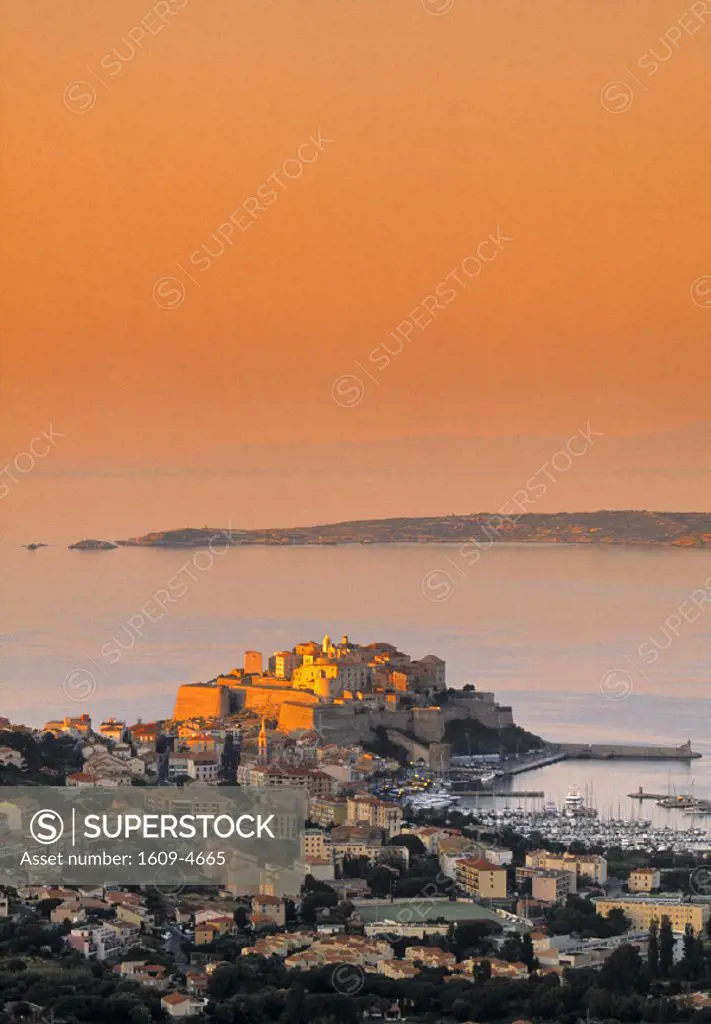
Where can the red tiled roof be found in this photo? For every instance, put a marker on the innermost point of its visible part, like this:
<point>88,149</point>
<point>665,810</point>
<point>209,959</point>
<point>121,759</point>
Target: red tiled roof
<point>480,864</point>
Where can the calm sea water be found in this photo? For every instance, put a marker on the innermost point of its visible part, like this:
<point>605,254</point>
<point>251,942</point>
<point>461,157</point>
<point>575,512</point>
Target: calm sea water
<point>555,631</point>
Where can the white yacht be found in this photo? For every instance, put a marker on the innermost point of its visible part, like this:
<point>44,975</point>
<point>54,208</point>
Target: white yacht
<point>574,805</point>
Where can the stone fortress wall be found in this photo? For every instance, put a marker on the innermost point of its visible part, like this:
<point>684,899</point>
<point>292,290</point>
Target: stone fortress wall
<point>335,722</point>
<point>354,692</point>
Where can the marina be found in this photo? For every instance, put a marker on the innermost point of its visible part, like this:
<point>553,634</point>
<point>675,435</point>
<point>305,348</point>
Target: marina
<point>625,803</point>
<point>594,833</point>
<point>575,819</point>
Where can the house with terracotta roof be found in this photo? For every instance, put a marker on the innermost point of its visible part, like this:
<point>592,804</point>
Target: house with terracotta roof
<point>208,931</point>
<point>136,914</point>
<point>207,912</point>
<point>644,880</point>
<point>81,780</point>
<point>450,849</point>
<point>342,949</point>
<point>480,878</point>
<point>145,734</point>
<point>281,944</point>
<point>271,907</point>
<point>430,956</point>
<point>115,896</point>
<point>398,969</point>
<point>499,968</point>
<point>152,975</point>
<point>68,910</point>
<point>180,1004</point>
<point>196,982</point>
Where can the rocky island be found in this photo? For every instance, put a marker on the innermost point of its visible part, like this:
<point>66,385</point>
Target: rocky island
<point>93,545</point>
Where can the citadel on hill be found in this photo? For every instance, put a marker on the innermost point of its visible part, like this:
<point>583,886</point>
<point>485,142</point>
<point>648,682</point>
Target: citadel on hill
<point>345,691</point>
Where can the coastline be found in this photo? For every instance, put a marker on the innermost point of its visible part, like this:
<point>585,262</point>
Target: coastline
<point>634,528</point>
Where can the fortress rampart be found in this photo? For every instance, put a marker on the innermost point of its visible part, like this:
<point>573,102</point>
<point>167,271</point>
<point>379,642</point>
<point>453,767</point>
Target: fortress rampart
<point>336,722</point>
<point>201,700</point>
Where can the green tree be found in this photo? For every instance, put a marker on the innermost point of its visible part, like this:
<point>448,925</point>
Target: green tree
<point>692,962</point>
<point>482,971</point>
<point>241,918</point>
<point>620,971</point>
<point>653,949</point>
<point>666,947</point>
<point>511,949</point>
<point>413,843</point>
<point>314,902</point>
<point>380,880</point>
<point>528,957</point>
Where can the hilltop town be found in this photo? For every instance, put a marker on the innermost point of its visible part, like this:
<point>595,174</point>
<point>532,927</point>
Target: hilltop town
<point>347,692</point>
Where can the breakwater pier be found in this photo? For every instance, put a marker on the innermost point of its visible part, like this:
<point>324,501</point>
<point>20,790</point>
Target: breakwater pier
<point>679,801</point>
<point>598,752</point>
<point>608,751</point>
<point>520,794</point>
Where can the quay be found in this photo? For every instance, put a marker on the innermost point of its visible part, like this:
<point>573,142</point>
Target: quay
<point>556,752</point>
<point>684,801</point>
<point>599,751</point>
<point>641,795</point>
<point>533,794</point>
<point>524,794</point>
<point>528,764</point>
<point>608,751</point>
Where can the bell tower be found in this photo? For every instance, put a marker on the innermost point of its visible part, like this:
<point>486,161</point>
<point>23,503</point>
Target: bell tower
<point>263,754</point>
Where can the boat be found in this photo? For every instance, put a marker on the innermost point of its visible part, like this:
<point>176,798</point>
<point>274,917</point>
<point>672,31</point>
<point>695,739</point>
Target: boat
<point>682,801</point>
<point>574,805</point>
<point>438,798</point>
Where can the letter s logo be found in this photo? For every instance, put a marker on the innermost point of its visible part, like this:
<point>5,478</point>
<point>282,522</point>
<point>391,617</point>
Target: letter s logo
<point>47,827</point>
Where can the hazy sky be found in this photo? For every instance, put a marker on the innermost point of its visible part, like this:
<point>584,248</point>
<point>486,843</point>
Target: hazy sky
<point>133,132</point>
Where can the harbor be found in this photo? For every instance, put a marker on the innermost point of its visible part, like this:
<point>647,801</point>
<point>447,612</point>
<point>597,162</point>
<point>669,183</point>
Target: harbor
<point>573,820</point>
<point>485,770</point>
<point>620,817</point>
<point>628,803</point>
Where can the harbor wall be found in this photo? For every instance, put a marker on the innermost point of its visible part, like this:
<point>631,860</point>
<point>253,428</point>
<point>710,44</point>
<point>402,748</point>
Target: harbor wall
<point>606,751</point>
<point>344,722</point>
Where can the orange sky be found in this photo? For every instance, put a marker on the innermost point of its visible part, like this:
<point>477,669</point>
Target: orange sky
<point>445,128</point>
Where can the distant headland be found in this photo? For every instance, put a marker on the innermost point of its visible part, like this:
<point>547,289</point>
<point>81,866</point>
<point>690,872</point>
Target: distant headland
<point>634,527</point>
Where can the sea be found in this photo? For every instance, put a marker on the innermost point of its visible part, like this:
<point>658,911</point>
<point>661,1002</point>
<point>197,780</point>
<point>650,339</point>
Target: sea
<point>588,644</point>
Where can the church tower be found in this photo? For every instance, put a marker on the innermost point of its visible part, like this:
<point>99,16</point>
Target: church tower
<point>326,645</point>
<point>263,755</point>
